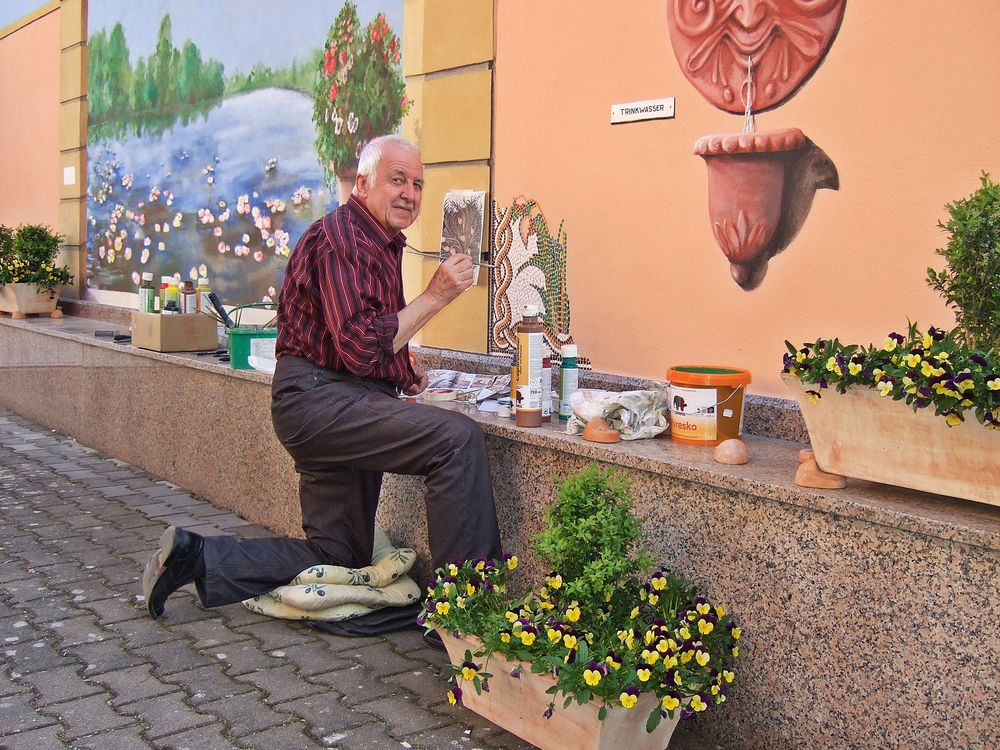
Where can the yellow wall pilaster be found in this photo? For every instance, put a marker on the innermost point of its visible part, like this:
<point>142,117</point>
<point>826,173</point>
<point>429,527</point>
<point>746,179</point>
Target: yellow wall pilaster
<point>448,65</point>
<point>73,141</point>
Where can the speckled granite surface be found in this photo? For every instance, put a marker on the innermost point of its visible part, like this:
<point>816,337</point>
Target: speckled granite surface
<point>869,612</point>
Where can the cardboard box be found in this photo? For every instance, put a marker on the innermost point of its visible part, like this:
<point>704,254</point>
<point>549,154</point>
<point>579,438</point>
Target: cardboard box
<point>174,333</point>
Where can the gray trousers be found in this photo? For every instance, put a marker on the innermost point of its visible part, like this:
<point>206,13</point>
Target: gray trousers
<point>343,432</point>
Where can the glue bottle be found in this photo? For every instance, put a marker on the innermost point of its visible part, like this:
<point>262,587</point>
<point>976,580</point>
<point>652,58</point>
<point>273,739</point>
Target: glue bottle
<point>530,342</point>
<point>203,291</point>
<point>569,379</point>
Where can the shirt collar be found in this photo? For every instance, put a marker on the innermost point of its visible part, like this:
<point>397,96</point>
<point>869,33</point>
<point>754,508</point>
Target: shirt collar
<point>377,232</point>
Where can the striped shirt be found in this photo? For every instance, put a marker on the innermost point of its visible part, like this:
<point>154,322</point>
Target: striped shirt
<point>343,287</point>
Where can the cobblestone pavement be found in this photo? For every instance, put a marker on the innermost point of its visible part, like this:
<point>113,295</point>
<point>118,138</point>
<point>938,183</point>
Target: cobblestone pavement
<point>85,666</point>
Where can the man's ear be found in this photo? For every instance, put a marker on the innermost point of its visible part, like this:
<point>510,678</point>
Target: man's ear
<point>361,186</point>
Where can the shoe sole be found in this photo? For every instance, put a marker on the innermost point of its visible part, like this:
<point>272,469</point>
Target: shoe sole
<point>155,567</point>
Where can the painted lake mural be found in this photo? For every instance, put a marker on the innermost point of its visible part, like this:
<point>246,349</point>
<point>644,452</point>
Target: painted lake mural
<point>216,132</point>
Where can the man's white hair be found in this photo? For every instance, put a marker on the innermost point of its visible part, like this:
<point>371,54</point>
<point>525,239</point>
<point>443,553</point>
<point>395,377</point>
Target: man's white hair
<point>371,154</point>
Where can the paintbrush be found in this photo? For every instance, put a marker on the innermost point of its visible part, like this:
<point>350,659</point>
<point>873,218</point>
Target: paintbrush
<point>437,256</point>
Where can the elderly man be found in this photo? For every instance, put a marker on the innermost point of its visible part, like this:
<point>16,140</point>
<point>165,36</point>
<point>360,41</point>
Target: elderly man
<point>343,328</point>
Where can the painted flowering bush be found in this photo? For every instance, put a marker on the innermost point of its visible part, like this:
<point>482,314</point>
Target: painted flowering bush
<point>600,624</point>
<point>925,369</point>
<point>359,93</point>
<point>27,255</point>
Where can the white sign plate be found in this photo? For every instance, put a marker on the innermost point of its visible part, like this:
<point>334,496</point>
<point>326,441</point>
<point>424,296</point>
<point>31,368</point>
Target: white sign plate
<point>650,109</point>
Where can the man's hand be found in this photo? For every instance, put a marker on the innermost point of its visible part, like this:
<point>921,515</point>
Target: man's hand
<point>421,383</point>
<point>452,277</point>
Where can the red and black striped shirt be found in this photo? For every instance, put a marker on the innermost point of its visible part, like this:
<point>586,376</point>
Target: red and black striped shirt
<point>343,287</point>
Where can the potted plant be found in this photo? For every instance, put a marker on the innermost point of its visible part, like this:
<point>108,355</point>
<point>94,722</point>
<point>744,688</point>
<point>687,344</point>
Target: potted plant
<point>604,653</point>
<point>29,277</point>
<point>359,93</point>
<point>948,441</point>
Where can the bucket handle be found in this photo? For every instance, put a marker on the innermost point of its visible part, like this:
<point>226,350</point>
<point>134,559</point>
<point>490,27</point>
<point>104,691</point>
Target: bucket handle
<point>717,404</point>
<point>239,308</point>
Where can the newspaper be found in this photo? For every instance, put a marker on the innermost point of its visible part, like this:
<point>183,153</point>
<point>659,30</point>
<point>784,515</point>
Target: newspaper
<point>464,386</point>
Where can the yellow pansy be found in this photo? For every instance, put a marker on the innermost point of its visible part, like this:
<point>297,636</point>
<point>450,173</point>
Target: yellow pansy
<point>469,673</point>
<point>953,419</point>
<point>654,599</point>
<point>628,700</point>
<point>442,607</point>
<point>555,581</point>
<point>705,627</point>
<point>854,368</point>
<point>727,675</point>
<point>570,641</point>
<point>669,703</point>
<point>527,637</point>
<point>634,613</point>
<point>697,704</point>
<point>505,637</point>
<point>512,562</point>
<point>720,610</point>
<point>684,633</point>
<point>651,657</point>
<point>703,608</point>
<point>511,616</point>
<point>451,697</point>
<point>643,674</point>
<point>737,632</point>
<point>554,635</point>
<point>573,612</point>
<point>659,583</point>
<point>591,676</point>
<point>912,360</point>
<point>469,589</point>
<point>453,570</point>
<point>702,657</point>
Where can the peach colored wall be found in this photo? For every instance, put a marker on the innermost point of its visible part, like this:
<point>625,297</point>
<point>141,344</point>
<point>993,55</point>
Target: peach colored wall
<point>904,105</point>
<point>29,123</point>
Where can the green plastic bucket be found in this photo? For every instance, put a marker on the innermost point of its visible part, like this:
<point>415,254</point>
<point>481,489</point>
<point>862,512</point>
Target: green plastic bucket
<point>247,341</point>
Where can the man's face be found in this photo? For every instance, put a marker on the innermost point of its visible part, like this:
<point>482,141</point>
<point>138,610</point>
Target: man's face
<point>394,195</point>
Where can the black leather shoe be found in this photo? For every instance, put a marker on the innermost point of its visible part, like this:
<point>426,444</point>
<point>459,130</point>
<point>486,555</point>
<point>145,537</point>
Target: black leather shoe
<point>171,566</point>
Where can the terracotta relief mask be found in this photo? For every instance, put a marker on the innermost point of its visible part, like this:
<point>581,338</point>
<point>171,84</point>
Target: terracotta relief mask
<point>786,39</point>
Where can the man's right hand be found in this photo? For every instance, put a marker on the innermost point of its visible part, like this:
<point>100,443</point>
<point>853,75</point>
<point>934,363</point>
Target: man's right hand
<point>452,277</point>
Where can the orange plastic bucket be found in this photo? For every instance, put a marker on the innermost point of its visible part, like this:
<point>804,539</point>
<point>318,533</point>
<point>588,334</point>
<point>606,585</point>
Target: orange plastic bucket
<point>706,403</point>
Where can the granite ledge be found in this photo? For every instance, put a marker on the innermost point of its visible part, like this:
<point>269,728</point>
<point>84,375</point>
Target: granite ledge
<point>769,475</point>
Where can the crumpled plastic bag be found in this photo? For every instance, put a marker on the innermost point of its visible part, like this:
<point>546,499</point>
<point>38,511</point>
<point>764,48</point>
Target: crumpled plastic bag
<point>634,414</point>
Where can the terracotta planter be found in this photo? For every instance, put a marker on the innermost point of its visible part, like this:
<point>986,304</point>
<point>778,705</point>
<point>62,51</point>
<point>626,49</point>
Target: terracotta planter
<point>26,299</point>
<point>746,184</point>
<point>345,184</point>
<point>864,435</point>
<point>518,704</point>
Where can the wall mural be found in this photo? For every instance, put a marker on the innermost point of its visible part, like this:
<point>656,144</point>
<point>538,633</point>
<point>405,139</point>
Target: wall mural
<point>216,132</point>
<point>529,269</point>
<point>747,56</point>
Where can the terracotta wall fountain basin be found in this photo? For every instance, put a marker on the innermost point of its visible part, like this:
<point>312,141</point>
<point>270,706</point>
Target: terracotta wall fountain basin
<point>746,180</point>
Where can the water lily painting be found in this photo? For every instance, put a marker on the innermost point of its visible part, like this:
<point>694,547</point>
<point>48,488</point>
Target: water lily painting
<point>216,131</point>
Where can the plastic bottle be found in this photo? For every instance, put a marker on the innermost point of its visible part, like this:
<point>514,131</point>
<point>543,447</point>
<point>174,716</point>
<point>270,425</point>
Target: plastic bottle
<point>569,379</point>
<point>161,298</point>
<point>147,293</point>
<point>203,291</point>
<point>188,303</point>
<point>530,344</point>
<point>546,389</point>
<point>172,294</point>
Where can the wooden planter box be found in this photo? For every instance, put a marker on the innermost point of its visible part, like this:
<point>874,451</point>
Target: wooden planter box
<point>864,435</point>
<point>518,705</point>
<point>25,299</point>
